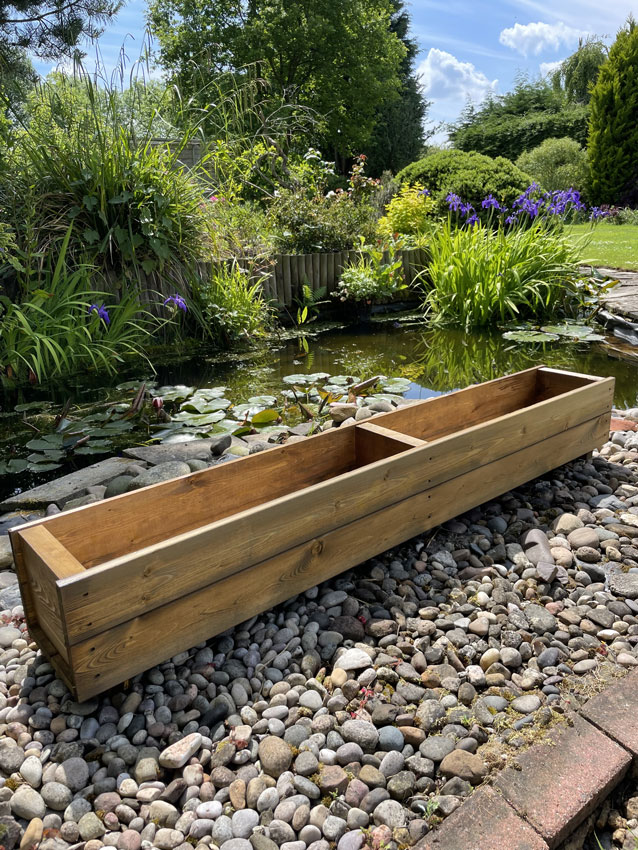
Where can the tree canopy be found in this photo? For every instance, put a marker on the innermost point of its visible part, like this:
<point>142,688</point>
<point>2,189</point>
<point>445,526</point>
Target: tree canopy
<point>51,29</point>
<point>340,58</point>
<point>506,125</point>
<point>399,135</point>
<point>577,74</point>
<point>613,130</point>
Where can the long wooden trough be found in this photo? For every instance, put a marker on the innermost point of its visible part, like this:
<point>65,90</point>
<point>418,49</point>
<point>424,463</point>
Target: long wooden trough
<point>112,588</point>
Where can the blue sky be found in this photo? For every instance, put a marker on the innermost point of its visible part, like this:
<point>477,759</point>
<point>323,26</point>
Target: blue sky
<point>467,47</point>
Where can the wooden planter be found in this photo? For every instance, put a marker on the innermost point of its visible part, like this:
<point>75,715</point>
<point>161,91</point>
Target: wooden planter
<point>112,588</point>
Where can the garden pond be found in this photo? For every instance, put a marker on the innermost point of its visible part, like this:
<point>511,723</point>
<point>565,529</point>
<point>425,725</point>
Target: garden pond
<point>47,431</point>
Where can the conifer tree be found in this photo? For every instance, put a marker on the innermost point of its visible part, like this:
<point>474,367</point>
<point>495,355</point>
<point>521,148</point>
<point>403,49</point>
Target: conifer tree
<point>613,124</point>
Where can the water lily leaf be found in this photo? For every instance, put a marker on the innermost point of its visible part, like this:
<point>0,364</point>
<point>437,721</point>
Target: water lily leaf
<point>37,457</point>
<point>176,393</point>
<point>202,405</point>
<point>32,405</point>
<point>196,419</point>
<point>566,329</point>
<point>306,380</point>
<point>343,380</point>
<point>265,417</point>
<point>530,336</point>
<point>181,437</point>
<point>263,400</point>
<point>43,467</point>
<point>396,385</point>
<point>16,465</point>
<point>41,444</point>
<point>90,449</point>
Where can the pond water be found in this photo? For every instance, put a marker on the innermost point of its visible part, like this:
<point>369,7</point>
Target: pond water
<point>432,361</point>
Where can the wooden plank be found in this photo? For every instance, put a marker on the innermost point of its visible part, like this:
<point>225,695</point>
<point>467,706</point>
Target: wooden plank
<point>330,274</point>
<point>45,561</point>
<point>552,382</point>
<point>135,520</point>
<point>135,583</point>
<point>375,443</point>
<point>107,659</point>
<point>286,295</point>
<point>315,283</point>
<point>435,417</point>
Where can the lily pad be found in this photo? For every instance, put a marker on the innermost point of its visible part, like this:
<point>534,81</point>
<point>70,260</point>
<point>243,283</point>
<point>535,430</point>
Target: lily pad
<point>580,332</point>
<point>13,466</point>
<point>396,385</point>
<point>530,336</point>
<point>180,392</point>
<point>343,380</point>
<point>263,400</point>
<point>306,380</point>
<point>265,417</point>
<point>198,404</point>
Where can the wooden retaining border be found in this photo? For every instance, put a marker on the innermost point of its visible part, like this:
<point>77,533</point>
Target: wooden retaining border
<point>112,588</point>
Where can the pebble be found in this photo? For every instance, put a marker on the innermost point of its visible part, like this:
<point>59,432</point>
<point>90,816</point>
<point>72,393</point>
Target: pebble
<point>338,711</point>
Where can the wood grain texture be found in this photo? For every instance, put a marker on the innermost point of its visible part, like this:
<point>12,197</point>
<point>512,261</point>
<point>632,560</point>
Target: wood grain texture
<point>375,443</point>
<point>135,520</point>
<point>109,658</point>
<point>132,584</point>
<point>45,561</point>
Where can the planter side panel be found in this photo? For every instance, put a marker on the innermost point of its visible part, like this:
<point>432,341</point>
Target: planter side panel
<point>132,585</point>
<point>114,655</point>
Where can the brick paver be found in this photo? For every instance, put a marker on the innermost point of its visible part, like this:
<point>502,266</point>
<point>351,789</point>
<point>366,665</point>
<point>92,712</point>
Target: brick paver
<point>560,782</point>
<point>615,711</point>
<point>484,822</point>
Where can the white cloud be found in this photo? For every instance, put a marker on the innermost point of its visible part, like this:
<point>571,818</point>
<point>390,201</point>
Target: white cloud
<point>534,38</point>
<point>548,67</point>
<point>444,77</point>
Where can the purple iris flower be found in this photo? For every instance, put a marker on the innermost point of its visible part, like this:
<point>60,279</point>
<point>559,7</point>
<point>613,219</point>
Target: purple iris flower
<point>177,301</point>
<point>490,201</point>
<point>596,213</point>
<point>473,219</point>
<point>511,219</point>
<point>425,192</point>
<point>454,202</point>
<point>102,312</point>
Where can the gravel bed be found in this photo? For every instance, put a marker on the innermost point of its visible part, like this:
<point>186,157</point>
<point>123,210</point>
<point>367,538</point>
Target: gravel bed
<point>357,714</point>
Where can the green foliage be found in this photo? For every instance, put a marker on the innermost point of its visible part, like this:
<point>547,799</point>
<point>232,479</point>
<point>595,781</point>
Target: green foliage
<point>309,303</point>
<point>376,276</point>
<point>556,164</point>
<point>233,306</point>
<point>304,219</point>
<point>305,224</point>
<point>613,130</point>
<point>134,208</point>
<point>506,125</point>
<point>54,330</point>
<point>470,175</point>
<point>481,275</point>
<point>339,58</point>
<point>576,75</point>
<point>408,213</point>
<point>398,135</point>
<point>51,29</point>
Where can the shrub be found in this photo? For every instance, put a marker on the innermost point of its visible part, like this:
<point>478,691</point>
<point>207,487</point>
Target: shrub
<point>613,130</point>
<point>556,163</point>
<point>480,275</point>
<point>135,210</point>
<point>304,219</point>
<point>376,276</point>
<point>408,213</point>
<point>471,175</point>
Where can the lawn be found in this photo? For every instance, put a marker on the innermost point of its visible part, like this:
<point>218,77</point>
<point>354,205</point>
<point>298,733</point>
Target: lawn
<point>611,245</point>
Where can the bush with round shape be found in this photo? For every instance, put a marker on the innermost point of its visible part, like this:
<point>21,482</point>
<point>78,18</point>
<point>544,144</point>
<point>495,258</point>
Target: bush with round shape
<point>556,164</point>
<point>470,175</point>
